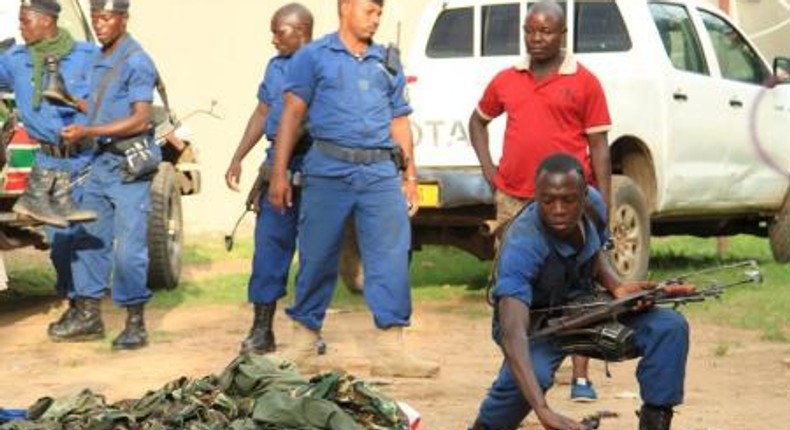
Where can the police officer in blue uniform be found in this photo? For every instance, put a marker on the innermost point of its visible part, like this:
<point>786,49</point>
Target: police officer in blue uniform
<point>551,254</point>
<point>56,167</point>
<point>118,187</point>
<point>275,231</point>
<point>352,94</point>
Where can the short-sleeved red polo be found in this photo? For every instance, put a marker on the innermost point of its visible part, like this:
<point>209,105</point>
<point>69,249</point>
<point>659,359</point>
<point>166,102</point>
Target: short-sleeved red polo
<point>544,117</point>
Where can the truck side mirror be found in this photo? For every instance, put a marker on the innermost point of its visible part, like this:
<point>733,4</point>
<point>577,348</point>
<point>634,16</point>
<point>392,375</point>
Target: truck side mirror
<point>782,69</point>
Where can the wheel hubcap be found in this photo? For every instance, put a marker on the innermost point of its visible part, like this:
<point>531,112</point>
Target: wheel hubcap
<point>626,231</point>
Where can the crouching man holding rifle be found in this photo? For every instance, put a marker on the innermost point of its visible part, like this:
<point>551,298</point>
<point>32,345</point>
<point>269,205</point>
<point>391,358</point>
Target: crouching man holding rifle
<point>550,257</point>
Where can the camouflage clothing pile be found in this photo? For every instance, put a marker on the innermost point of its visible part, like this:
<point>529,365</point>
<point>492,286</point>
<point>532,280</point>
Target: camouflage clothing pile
<point>253,393</point>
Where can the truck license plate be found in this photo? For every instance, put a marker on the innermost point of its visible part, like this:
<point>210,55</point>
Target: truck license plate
<point>428,195</point>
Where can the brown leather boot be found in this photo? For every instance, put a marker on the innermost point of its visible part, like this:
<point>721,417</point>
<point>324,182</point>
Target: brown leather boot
<point>305,350</point>
<point>390,357</point>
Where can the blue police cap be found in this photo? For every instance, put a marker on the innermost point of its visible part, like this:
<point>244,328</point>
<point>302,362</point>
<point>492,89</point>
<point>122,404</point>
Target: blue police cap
<point>119,6</point>
<point>48,7</point>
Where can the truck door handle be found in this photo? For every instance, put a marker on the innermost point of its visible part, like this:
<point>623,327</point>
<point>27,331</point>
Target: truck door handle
<point>736,103</point>
<point>681,97</point>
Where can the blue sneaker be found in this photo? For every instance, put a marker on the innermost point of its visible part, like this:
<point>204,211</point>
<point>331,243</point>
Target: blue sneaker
<point>583,391</point>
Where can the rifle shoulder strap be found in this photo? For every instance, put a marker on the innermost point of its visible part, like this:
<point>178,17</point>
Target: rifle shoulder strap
<point>115,70</point>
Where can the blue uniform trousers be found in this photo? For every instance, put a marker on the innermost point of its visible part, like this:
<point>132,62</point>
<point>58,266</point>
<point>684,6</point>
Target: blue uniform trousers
<point>275,244</point>
<point>117,242</point>
<point>61,242</point>
<point>662,340</point>
<point>383,231</point>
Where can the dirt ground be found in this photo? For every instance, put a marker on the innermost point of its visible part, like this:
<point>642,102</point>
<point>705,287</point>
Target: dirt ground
<point>734,380</point>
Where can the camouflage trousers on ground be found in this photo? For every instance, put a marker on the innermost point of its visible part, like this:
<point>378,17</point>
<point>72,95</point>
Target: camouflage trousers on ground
<point>254,392</point>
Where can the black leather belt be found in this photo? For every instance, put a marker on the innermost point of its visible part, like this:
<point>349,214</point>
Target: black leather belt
<point>66,151</point>
<point>354,155</point>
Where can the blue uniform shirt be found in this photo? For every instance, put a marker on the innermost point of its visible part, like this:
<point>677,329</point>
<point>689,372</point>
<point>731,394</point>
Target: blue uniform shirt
<point>351,102</point>
<point>270,93</point>
<point>540,269</point>
<point>45,123</point>
<point>134,82</point>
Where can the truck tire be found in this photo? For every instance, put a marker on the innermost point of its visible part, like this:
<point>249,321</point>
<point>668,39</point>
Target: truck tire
<point>779,233</point>
<point>350,267</point>
<point>165,230</point>
<point>630,227</point>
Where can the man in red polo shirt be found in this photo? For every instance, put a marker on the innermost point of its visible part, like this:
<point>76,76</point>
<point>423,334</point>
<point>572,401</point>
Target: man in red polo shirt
<point>553,104</point>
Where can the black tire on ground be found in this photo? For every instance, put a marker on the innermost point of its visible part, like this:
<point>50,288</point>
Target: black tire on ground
<point>350,267</point>
<point>630,227</point>
<point>165,230</point>
<point>779,233</point>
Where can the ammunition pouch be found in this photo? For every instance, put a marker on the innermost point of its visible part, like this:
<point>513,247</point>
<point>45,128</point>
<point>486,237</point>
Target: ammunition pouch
<point>141,161</point>
<point>610,341</point>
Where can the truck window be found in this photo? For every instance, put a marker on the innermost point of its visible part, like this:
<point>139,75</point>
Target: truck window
<point>600,28</point>
<point>501,32</point>
<point>452,35</point>
<point>737,60</point>
<point>679,37</point>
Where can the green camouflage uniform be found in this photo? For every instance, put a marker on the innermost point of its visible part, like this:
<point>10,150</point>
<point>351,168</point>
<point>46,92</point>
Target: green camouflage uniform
<point>252,393</point>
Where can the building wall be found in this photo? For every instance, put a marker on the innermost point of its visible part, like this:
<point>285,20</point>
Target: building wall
<point>211,51</point>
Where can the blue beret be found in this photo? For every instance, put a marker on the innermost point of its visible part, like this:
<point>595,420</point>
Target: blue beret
<point>48,7</point>
<point>120,6</point>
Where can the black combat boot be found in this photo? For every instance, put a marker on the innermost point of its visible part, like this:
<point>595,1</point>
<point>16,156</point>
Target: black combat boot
<point>261,337</point>
<point>655,418</point>
<point>35,201</point>
<point>478,426</point>
<point>62,202</point>
<point>66,318</point>
<point>134,335</point>
<point>86,325</point>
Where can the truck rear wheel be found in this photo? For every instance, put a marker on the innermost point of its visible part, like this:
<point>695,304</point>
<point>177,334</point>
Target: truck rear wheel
<point>165,230</point>
<point>630,227</point>
<point>779,233</point>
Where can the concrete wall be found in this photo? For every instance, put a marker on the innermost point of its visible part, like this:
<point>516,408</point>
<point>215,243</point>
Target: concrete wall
<point>216,51</point>
<point>209,50</point>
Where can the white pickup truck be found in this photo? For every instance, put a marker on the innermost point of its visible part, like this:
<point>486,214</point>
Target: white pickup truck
<point>700,143</point>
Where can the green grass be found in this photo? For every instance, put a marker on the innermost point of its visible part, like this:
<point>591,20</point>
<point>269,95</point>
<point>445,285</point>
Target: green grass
<point>455,281</point>
<point>763,307</point>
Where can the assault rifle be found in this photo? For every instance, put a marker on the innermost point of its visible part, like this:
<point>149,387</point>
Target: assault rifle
<point>674,292</point>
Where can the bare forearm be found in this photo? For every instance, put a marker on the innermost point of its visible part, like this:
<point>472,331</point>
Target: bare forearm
<point>515,345</point>
<point>605,273</point>
<point>252,133</point>
<point>602,165</point>
<point>478,134</point>
<point>139,122</point>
